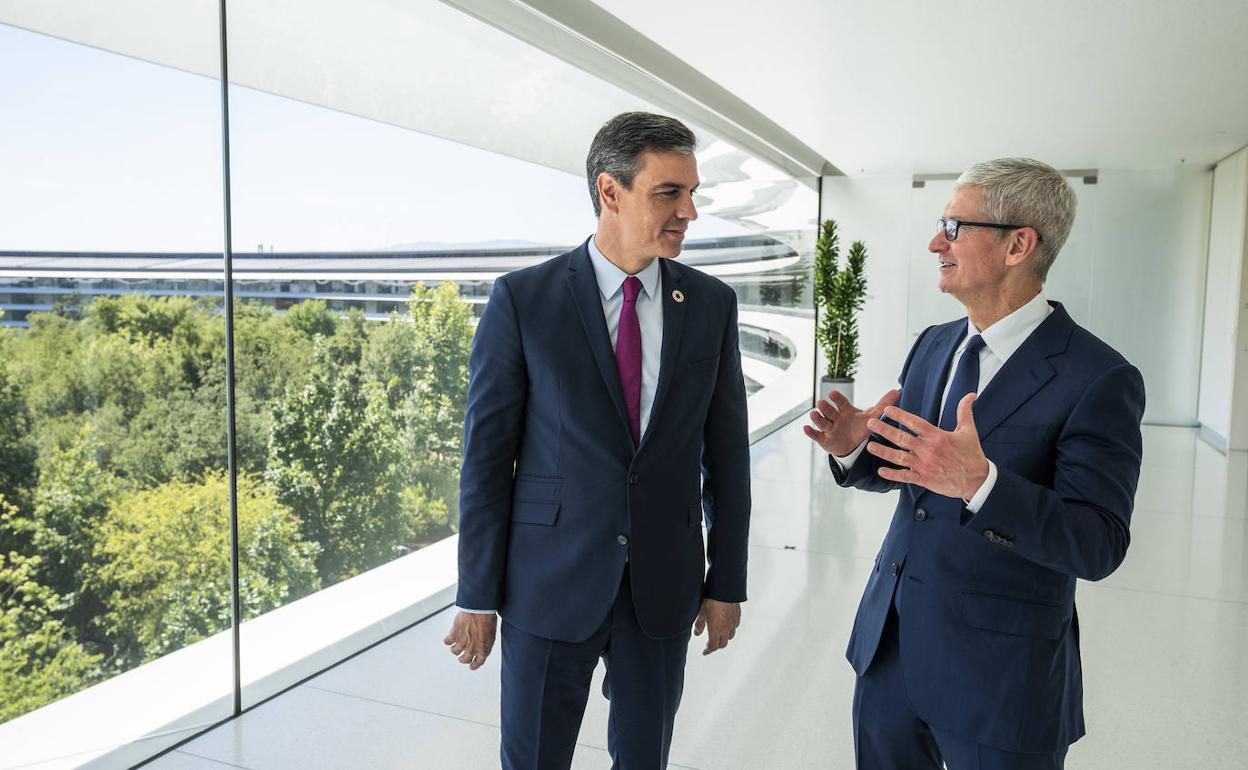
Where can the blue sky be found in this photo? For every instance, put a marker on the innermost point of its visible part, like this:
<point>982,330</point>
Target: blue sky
<point>106,153</point>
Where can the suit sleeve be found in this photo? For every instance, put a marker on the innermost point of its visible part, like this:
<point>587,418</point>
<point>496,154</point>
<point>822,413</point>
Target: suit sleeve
<point>726,474</point>
<point>493,424</point>
<point>864,473</point>
<point>1080,525</point>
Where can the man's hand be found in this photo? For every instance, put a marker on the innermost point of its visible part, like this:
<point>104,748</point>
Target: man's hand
<point>472,637</point>
<point>720,621</point>
<point>839,426</point>
<point>950,463</point>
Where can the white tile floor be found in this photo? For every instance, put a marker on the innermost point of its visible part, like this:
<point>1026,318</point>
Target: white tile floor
<point>1165,647</point>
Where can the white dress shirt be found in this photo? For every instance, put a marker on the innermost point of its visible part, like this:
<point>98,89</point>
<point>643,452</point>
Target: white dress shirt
<point>649,317</point>
<point>1000,341</point>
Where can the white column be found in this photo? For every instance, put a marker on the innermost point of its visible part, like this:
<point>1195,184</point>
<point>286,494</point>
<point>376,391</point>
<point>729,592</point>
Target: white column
<point>1223,408</point>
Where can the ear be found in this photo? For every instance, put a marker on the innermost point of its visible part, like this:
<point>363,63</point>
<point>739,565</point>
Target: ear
<point>608,192</point>
<point>1023,242</point>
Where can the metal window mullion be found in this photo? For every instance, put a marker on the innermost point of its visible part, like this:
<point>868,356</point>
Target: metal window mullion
<point>231,443</point>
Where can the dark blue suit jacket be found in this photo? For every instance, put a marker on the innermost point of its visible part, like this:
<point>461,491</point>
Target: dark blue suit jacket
<point>553,495</point>
<point>989,633</point>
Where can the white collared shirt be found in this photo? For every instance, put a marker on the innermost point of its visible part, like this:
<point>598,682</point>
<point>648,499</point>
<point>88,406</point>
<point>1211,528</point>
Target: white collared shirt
<point>649,317</point>
<point>1001,340</point>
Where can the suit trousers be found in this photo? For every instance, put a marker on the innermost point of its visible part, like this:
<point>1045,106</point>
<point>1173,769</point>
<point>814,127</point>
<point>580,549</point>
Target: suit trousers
<point>546,683</point>
<point>889,735</point>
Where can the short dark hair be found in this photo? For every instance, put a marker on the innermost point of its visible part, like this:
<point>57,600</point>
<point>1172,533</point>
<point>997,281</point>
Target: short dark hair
<point>619,144</point>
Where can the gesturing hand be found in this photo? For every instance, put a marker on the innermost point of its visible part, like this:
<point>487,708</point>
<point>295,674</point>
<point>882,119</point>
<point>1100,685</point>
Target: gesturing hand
<point>839,429</point>
<point>472,637</point>
<point>950,463</point>
<point>720,621</point>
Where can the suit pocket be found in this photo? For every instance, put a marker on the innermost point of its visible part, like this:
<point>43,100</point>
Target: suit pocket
<point>529,512</point>
<point>704,364</point>
<point>1014,616</point>
<point>540,489</point>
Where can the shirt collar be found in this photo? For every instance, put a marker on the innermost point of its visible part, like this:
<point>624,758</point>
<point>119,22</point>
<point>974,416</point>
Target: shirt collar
<point>1007,335</point>
<point>611,278</point>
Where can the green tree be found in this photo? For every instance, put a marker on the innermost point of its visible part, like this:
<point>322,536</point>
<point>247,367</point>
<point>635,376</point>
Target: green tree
<point>17,451</point>
<point>271,355</point>
<point>443,324</point>
<point>147,374</point>
<point>180,434</point>
<point>334,460</point>
<point>182,338</point>
<point>421,362</point>
<point>346,347</point>
<point>71,500</point>
<point>47,362</point>
<point>39,660</point>
<point>270,358</point>
<point>162,563</point>
<point>312,317</point>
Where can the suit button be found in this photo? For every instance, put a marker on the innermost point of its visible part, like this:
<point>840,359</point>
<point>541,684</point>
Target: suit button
<point>896,568</point>
<point>992,536</point>
<point>633,478</point>
<point>621,539</point>
<point>920,515</point>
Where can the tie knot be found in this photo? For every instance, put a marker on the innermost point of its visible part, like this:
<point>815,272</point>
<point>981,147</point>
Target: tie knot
<point>632,287</point>
<point>974,344</point>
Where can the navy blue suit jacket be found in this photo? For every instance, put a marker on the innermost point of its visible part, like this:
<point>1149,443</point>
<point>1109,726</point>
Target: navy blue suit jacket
<point>989,632</point>
<point>553,495</point>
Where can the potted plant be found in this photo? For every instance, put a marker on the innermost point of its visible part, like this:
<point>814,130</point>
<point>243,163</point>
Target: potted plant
<point>839,295</point>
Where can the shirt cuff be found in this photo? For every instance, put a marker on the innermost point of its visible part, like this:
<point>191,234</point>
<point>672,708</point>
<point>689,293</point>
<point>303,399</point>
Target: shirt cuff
<point>475,612</point>
<point>985,489</point>
<point>849,459</point>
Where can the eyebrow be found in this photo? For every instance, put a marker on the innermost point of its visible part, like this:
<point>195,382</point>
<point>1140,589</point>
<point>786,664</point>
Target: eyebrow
<point>676,186</point>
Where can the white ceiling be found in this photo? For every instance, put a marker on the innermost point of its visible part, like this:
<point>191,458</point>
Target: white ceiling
<point>892,86</point>
<point>903,86</point>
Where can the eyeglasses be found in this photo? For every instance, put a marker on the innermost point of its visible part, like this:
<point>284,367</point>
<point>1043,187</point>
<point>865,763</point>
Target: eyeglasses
<point>950,226</point>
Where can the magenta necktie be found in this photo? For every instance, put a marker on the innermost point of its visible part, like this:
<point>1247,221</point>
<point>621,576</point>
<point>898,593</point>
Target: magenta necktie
<point>628,355</point>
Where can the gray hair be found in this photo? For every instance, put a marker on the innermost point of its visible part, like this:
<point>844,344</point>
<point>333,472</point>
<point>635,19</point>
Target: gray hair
<point>619,144</point>
<point>1023,191</point>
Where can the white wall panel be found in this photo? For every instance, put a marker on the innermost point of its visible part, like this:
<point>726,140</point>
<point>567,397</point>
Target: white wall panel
<point>1223,322</point>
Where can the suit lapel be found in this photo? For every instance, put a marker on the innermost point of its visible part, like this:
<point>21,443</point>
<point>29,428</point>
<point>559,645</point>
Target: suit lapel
<point>1024,373</point>
<point>935,386</point>
<point>673,327</point>
<point>583,284</point>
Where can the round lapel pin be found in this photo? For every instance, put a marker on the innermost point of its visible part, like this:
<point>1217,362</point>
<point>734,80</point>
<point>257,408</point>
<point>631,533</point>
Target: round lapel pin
<point>676,295</point>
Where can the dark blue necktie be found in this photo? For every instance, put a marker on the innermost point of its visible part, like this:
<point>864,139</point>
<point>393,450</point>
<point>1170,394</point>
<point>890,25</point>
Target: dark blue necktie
<point>965,380</point>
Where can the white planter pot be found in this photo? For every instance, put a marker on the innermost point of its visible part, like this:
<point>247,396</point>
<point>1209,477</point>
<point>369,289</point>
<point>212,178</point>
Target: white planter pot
<point>846,387</point>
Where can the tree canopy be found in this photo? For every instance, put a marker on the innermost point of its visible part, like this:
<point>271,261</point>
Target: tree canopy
<point>114,545</point>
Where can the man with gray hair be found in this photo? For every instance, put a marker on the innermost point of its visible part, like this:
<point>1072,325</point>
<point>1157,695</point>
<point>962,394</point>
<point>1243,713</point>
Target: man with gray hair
<point>1015,442</point>
<point>606,415</point>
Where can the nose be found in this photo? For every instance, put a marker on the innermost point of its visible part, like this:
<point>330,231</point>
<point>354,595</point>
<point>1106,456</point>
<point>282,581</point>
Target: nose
<point>939,242</point>
<point>687,210</point>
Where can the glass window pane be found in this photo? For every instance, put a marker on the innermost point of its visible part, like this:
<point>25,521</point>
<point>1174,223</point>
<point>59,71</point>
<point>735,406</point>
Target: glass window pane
<point>389,162</point>
<point>114,558</point>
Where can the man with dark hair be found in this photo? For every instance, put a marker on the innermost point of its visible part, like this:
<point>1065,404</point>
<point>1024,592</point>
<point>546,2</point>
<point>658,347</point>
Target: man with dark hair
<point>1015,442</point>
<point>606,417</point>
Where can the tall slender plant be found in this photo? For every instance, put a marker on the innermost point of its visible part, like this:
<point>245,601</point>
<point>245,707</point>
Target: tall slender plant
<point>839,293</point>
